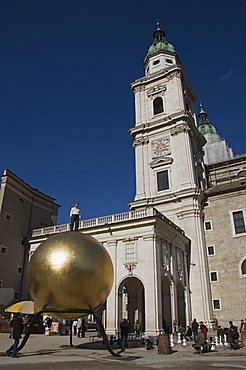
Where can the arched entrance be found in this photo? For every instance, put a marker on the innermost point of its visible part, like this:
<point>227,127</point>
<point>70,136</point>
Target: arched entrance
<point>131,303</point>
<point>166,306</point>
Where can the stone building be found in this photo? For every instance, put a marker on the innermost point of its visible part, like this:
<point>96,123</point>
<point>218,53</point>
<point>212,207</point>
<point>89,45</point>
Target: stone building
<point>155,268</point>
<point>151,259</point>
<point>225,220</point>
<point>22,208</point>
<point>169,157</point>
<point>172,252</point>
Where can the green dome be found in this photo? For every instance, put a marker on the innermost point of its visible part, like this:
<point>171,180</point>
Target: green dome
<point>207,128</point>
<point>161,45</point>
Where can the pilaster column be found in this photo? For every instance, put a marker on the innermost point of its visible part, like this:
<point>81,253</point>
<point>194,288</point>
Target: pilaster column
<point>173,287</point>
<point>112,302</point>
<point>141,172</point>
<point>188,312</point>
<point>199,275</point>
<point>153,302</point>
<point>184,155</point>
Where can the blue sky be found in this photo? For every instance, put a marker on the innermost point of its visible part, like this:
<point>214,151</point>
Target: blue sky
<point>65,101</point>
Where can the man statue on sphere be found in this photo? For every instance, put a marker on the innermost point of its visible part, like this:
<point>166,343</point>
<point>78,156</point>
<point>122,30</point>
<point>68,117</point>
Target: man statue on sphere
<point>74,217</point>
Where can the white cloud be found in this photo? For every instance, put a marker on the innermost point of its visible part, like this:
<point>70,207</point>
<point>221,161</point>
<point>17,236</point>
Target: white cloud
<point>227,75</point>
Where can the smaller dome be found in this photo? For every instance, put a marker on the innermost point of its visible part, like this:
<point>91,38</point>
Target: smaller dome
<point>207,128</point>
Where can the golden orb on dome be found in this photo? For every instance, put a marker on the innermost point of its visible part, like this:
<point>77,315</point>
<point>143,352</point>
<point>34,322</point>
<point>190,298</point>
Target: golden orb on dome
<point>70,271</point>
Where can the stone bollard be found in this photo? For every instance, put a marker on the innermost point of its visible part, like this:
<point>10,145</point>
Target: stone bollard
<point>164,347</point>
<point>184,344</point>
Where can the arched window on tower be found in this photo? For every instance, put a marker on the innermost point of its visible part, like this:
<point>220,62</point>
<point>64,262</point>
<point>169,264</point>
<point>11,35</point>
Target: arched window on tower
<point>243,267</point>
<point>158,105</point>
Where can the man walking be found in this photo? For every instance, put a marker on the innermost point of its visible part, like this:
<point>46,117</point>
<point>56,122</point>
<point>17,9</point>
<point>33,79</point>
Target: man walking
<point>194,327</point>
<point>17,331</point>
<point>125,329</point>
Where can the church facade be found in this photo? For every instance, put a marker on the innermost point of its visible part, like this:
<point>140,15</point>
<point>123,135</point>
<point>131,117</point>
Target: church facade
<point>158,247</point>
<point>169,157</point>
<point>161,248</point>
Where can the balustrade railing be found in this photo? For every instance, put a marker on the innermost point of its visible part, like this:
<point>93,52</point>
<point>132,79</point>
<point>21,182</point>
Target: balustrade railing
<point>83,224</point>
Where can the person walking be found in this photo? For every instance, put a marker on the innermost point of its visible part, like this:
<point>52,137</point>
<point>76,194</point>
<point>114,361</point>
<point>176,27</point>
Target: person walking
<point>233,336</point>
<point>242,325</point>
<point>125,329</point>
<point>79,327</point>
<point>188,333</point>
<point>137,329</point>
<point>17,331</point>
<point>75,323</point>
<point>204,329</point>
<point>74,217</point>
<point>11,325</point>
<point>194,327</point>
<point>83,327</point>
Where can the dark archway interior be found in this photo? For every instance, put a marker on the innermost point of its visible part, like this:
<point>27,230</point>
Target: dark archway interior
<point>166,306</point>
<point>131,302</point>
<point>181,305</point>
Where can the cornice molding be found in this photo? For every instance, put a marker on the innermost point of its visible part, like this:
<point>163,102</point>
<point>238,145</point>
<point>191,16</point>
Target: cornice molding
<point>143,140</point>
<point>168,73</point>
<point>174,74</point>
<point>157,162</point>
<point>180,128</point>
<point>156,90</point>
<point>138,88</point>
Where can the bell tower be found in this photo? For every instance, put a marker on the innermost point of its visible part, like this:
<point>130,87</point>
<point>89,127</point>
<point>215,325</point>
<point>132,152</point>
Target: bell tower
<point>169,156</point>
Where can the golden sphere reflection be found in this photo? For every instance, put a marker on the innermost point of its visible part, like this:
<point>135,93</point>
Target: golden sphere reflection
<point>70,271</point>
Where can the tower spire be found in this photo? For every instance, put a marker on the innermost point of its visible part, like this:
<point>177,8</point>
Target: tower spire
<point>205,127</point>
<point>158,35</point>
<point>154,62</point>
<point>203,116</point>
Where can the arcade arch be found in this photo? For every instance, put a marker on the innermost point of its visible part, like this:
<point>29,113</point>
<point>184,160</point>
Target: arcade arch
<point>131,303</point>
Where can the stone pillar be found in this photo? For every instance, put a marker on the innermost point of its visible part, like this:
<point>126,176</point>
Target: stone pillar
<point>201,299</point>
<point>173,288</point>
<point>153,302</point>
<point>140,185</point>
<point>112,304</point>
<point>187,292</point>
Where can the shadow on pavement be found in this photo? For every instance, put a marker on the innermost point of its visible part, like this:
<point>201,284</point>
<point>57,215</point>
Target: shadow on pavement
<point>37,353</point>
<point>100,346</point>
<point>123,358</point>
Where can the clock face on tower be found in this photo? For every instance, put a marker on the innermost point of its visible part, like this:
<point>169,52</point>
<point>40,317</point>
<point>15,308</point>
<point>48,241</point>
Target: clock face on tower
<point>160,147</point>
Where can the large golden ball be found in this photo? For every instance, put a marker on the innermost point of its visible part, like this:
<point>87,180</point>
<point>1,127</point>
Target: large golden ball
<point>70,271</point>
